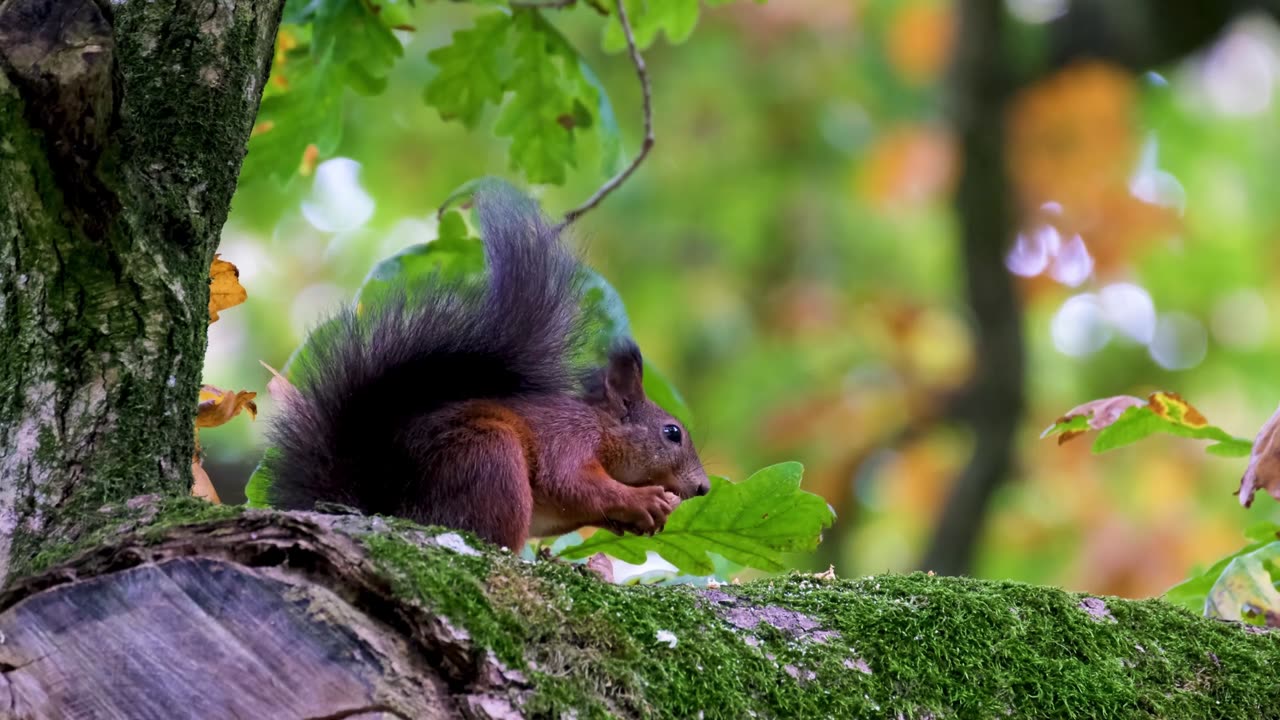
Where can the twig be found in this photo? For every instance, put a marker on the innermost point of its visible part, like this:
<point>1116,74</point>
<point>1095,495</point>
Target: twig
<point>642,73</point>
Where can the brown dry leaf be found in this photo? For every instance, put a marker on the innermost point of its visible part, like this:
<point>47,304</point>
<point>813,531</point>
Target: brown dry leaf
<point>1100,413</point>
<point>225,289</point>
<point>202,486</point>
<point>1263,472</point>
<point>218,406</point>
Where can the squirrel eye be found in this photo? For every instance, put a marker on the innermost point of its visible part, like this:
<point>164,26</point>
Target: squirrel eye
<point>672,433</point>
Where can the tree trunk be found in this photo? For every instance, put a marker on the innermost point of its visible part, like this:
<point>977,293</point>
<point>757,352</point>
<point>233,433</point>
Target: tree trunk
<point>122,129</point>
<point>992,403</point>
<point>301,615</point>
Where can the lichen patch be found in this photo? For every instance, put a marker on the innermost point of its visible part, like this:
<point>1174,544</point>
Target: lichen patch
<point>1097,609</point>
<point>858,664</point>
<point>454,542</point>
<point>746,616</point>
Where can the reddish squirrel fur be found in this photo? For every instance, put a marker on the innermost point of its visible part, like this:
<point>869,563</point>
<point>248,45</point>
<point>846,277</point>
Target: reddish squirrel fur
<point>457,405</point>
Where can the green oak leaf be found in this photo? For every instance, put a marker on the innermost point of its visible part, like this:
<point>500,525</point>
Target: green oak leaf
<point>255,491</point>
<point>473,70</point>
<point>342,44</point>
<point>1246,591</point>
<point>752,523</point>
<point>454,256</point>
<point>548,91</point>
<point>1193,592</point>
<point>361,44</point>
<point>309,112</point>
<point>604,314</point>
<point>675,18</point>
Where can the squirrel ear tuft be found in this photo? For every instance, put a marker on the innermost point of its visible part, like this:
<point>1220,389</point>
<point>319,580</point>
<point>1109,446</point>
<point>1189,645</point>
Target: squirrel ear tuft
<point>626,371</point>
<point>620,383</point>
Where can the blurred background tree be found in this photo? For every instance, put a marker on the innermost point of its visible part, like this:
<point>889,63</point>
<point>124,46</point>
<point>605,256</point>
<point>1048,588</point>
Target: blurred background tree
<point>892,239</point>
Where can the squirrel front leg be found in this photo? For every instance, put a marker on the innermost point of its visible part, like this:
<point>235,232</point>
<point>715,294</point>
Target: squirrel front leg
<point>591,496</point>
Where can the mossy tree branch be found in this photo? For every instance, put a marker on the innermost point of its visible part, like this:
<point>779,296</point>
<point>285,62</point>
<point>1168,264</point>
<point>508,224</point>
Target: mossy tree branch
<point>307,615</point>
<point>122,129</point>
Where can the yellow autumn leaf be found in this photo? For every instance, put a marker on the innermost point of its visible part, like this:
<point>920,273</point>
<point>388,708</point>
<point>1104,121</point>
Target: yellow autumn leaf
<point>218,406</point>
<point>225,289</point>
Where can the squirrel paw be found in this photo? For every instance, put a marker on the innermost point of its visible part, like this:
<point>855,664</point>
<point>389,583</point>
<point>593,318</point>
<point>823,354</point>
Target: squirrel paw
<point>646,510</point>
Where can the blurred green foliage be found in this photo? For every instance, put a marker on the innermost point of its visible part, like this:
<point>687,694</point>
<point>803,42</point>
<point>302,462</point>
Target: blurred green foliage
<point>788,256</point>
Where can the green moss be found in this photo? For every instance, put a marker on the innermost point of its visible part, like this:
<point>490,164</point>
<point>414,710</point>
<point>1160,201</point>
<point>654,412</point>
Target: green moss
<point>150,519</point>
<point>935,647</point>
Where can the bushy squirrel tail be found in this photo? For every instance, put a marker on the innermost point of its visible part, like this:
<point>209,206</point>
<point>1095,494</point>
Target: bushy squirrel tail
<point>368,373</point>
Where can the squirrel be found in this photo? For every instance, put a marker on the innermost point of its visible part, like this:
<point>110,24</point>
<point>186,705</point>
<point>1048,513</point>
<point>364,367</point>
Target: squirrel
<point>457,404</point>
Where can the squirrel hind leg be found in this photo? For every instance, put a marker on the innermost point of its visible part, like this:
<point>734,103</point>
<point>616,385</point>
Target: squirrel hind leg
<point>477,476</point>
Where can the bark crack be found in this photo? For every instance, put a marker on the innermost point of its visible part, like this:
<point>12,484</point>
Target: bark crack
<point>363,710</point>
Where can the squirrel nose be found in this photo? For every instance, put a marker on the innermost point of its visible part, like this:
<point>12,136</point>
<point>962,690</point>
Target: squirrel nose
<point>703,488</point>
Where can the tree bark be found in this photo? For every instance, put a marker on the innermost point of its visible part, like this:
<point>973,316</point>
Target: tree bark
<point>301,615</point>
<point>122,130</point>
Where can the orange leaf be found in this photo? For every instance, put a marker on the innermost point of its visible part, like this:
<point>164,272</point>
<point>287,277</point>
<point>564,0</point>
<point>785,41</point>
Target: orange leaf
<point>225,289</point>
<point>1263,472</point>
<point>217,406</point>
<point>202,486</point>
